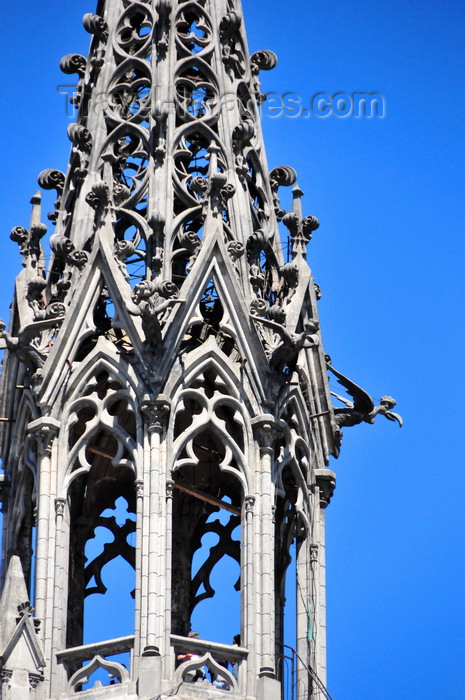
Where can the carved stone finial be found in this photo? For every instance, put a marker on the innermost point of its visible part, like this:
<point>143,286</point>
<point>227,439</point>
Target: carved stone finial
<point>231,46</point>
<point>230,23</point>
<point>52,179</point>
<point>310,224</point>
<point>300,228</point>
<point>29,241</point>
<point>20,235</point>
<point>236,250</point>
<point>242,136</point>
<point>215,190</point>
<point>290,275</point>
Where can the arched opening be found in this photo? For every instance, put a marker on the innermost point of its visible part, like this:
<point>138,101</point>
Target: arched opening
<point>26,530</point>
<point>206,543</point>
<point>287,536</point>
<point>102,554</point>
<point>216,571</point>
<point>102,507</point>
<point>110,558</point>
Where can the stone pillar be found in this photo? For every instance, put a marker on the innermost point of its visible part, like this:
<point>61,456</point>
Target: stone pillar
<point>60,596</point>
<point>325,485</point>
<point>4,506</point>
<point>248,621</point>
<point>44,430</point>
<point>153,556</point>
<point>168,573</point>
<point>305,601</point>
<point>139,484</point>
<point>265,433</point>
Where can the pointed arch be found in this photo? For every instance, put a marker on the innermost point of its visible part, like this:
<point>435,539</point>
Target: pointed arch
<point>196,362</point>
<point>104,357</point>
<point>213,263</point>
<point>209,440</point>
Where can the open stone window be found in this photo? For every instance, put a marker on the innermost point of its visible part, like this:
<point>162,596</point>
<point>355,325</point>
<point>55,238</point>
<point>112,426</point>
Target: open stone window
<point>208,494</point>
<point>25,525</point>
<point>202,490</point>
<point>91,496</point>
<point>101,440</point>
<point>168,362</point>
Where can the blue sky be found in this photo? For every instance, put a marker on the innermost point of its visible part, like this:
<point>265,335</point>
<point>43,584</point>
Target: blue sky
<point>388,257</point>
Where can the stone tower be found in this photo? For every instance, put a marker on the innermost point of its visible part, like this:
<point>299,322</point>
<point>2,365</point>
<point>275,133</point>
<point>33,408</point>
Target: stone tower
<point>168,358</point>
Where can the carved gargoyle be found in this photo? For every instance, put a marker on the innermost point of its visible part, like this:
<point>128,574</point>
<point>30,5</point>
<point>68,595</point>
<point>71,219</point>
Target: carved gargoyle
<point>362,409</point>
<point>27,353</point>
<point>282,347</point>
<point>153,299</point>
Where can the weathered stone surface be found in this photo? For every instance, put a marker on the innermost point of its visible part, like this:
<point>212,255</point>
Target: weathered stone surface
<point>168,357</point>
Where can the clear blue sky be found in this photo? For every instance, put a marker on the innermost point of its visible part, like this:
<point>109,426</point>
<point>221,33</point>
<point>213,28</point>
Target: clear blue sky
<point>388,257</point>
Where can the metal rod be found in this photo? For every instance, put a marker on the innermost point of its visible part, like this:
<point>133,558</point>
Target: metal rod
<point>99,452</point>
<point>208,499</point>
<point>317,415</point>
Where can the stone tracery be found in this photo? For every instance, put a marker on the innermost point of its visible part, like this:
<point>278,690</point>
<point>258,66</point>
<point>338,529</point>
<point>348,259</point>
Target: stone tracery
<point>174,354</point>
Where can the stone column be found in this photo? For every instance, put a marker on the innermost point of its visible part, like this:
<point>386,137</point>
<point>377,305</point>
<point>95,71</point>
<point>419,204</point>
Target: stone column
<point>304,612</point>
<point>138,564</point>
<point>45,431</point>
<point>60,597</point>
<point>325,485</point>
<point>265,433</point>
<point>154,552</point>
<point>157,414</point>
<point>248,625</point>
<point>168,661</point>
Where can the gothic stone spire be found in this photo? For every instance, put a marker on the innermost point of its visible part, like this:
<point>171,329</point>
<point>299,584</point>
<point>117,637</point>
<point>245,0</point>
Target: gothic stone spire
<point>170,356</point>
